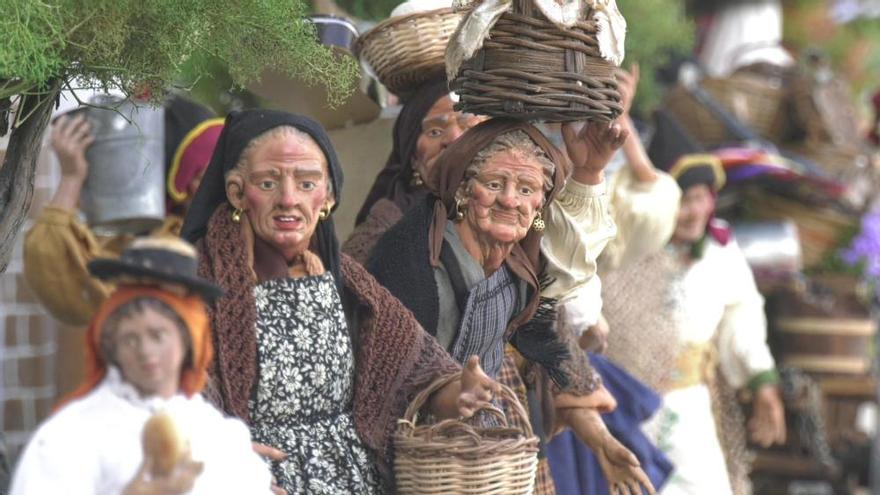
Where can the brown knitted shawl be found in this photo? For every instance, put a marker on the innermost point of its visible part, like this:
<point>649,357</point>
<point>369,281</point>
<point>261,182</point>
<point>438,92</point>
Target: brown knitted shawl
<point>394,357</point>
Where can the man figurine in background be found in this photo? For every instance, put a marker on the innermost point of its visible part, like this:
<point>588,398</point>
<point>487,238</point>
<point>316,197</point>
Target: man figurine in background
<point>59,246</point>
<point>701,312</point>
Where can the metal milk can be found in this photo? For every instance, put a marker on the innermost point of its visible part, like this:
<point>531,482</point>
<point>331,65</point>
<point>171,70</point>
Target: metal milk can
<point>124,192</point>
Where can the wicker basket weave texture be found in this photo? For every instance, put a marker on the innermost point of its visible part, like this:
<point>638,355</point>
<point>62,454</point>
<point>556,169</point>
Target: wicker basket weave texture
<point>819,228</point>
<point>825,112</point>
<point>406,51</point>
<point>756,102</point>
<point>453,457</point>
<point>529,68</point>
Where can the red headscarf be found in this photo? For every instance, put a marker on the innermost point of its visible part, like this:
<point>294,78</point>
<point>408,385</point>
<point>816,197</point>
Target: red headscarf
<point>191,310</point>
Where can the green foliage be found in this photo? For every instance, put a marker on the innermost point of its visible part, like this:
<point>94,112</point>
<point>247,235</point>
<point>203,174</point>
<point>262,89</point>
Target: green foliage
<point>375,10</point>
<point>31,35</point>
<point>141,45</point>
<point>656,29</point>
<point>853,48</point>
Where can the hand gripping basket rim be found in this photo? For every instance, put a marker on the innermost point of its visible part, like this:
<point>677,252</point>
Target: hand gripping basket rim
<point>455,457</point>
<point>406,51</point>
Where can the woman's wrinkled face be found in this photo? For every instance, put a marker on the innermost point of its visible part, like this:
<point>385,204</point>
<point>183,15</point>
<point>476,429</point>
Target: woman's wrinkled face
<point>697,206</point>
<point>504,197</point>
<point>441,127</point>
<point>149,351</point>
<point>285,189</point>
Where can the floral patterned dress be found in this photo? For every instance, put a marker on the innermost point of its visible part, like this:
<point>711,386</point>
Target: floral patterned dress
<point>302,404</point>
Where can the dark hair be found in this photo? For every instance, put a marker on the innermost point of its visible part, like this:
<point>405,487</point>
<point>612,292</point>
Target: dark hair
<point>136,306</point>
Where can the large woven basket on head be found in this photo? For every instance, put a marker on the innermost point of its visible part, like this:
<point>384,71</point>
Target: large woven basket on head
<point>453,457</point>
<point>757,101</point>
<point>529,68</point>
<point>408,50</point>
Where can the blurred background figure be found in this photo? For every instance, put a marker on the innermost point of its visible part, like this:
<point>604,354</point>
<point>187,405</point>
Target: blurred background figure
<point>148,197</point>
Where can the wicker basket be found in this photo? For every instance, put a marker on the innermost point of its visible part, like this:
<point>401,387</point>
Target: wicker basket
<point>758,102</point>
<point>825,113</point>
<point>529,68</point>
<point>452,457</point>
<point>819,228</point>
<point>406,51</point>
<point>839,161</point>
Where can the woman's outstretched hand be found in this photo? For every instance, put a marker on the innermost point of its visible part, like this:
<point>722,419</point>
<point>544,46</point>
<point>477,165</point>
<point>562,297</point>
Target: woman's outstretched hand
<point>621,468</point>
<point>477,389</point>
<point>462,398</point>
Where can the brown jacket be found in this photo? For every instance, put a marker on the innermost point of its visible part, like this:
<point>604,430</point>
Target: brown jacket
<point>57,251</point>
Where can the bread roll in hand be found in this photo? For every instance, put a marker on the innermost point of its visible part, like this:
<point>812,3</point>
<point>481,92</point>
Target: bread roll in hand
<point>163,444</point>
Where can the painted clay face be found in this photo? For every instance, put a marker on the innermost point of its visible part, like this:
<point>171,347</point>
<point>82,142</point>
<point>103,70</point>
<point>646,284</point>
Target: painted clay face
<point>505,197</point>
<point>285,188</point>
<point>149,351</point>
<point>441,127</point>
<point>697,206</point>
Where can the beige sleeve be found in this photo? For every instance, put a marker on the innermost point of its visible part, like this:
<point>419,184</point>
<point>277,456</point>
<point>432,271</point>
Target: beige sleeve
<point>57,250</point>
<point>743,352</point>
<point>579,225</point>
<point>645,214</point>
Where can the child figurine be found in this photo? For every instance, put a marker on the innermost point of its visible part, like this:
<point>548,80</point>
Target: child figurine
<point>148,351</point>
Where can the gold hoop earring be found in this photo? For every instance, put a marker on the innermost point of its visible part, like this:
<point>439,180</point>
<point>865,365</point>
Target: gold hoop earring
<point>236,215</point>
<point>460,209</point>
<point>323,214</point>
<point>538,224</point>
<point>416,180</point>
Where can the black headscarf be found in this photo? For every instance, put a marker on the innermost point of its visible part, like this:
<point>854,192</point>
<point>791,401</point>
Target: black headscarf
<point>240,129</point>
<point>393,182</point>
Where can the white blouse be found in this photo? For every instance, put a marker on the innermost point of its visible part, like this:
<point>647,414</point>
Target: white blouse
<point>717,293</point>
<point>634,220</point>
<point>92,446</point>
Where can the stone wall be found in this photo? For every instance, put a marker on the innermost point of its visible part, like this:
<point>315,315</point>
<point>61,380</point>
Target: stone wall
<point>30,340</point>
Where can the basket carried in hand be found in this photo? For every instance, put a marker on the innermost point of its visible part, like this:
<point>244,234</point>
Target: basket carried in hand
<point>453,457</point>
<point>406,51</point>
<point>529,68</point>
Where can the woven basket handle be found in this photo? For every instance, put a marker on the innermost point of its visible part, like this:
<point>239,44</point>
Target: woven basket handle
<point>411,414</point>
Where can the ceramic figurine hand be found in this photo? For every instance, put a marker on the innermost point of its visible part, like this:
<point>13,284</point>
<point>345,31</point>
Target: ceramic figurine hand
<point>463,397</point>
<point>595,339</point>
<point>179,481</point>
<point>767,424</point>
<point>477,389</point>
<point>621,468</point>
<point>272,454</point>
<point>71,136</point>
<point>591,147</point>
